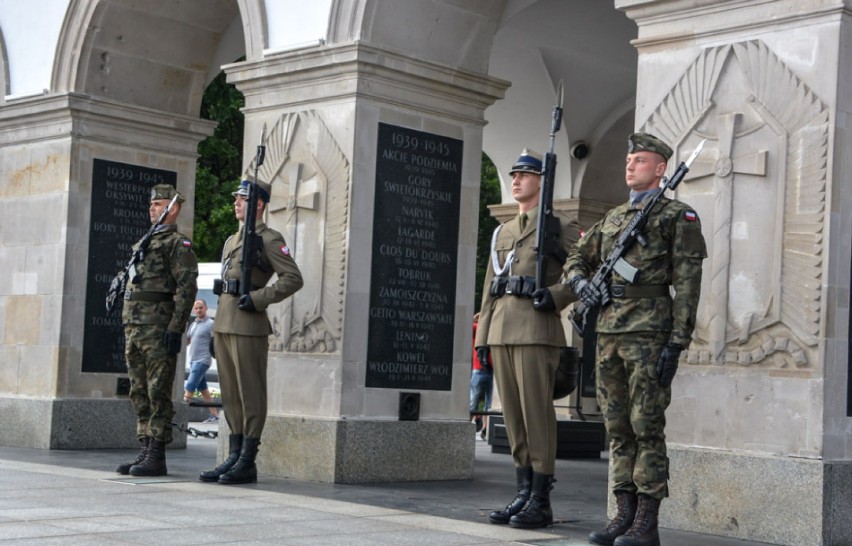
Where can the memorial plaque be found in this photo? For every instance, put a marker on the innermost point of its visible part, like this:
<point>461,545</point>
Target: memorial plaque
<point>415,248</point>
<point>120,198</point>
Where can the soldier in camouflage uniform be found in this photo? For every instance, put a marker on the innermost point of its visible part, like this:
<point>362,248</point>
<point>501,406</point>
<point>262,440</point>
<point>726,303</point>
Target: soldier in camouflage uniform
<point>157,303</point>
<point>520,327</point>
<point>641,334</point>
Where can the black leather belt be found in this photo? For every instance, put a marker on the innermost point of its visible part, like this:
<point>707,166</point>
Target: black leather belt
<point>152,297</point>
<point>639,290</point>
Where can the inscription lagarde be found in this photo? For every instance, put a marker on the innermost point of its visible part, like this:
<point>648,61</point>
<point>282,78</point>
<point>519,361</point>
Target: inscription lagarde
<point>769,133</point>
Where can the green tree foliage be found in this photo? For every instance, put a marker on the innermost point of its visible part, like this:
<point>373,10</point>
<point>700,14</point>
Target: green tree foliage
<point>219,170</point>
<point>489,194</point>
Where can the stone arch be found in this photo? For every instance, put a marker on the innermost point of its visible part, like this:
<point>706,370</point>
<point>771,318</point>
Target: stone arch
<point>4,69</point>
<point>587,46</point>
<point>110,50</point>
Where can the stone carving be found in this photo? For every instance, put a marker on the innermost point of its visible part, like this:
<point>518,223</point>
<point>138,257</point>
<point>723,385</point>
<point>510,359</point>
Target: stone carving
<point>761,200</point>
<point>310,178</point>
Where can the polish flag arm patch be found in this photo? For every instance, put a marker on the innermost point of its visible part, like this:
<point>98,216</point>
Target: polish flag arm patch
<point>285,250</point>
<point>690,216</point>
<point>187,243</point>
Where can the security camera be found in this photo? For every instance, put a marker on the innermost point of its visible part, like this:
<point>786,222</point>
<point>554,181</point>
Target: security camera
<point>579,150</point>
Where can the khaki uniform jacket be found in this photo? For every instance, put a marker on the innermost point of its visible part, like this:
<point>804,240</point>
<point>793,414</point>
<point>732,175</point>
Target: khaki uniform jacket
<point>230,319</point>
<point>512,320</point>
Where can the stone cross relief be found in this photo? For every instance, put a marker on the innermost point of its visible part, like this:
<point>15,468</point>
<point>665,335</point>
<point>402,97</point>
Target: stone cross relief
<point>723,171</point>
<point>298,198</point>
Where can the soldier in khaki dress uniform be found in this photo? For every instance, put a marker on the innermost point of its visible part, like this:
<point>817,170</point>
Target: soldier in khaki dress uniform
<point>522,331</point>
<point>641,334</point>
<point>157,303</point>
<point>241,336</point>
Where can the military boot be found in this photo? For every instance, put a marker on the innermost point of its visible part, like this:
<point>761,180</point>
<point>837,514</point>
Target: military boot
<point>537,513</point>
<point>235,445</point>
<point>124,468</point>
<point>155,461</point>
<point>643,532</point>
<point>524,478</point>
<point>244,470</point>
<point>626,502</point>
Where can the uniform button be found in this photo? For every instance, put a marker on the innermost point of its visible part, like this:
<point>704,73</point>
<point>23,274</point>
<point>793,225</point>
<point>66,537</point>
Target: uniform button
<point>520,245</point>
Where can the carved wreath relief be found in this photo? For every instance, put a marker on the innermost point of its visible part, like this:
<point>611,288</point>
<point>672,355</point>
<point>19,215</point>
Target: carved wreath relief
<point>759,188</point>
<point>309,175</point>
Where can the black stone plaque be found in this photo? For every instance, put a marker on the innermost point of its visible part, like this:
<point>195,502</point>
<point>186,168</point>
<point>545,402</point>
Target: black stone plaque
<point>415,247</point>
<point>120,198</point>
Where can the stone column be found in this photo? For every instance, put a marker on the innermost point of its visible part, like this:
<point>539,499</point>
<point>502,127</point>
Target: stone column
<point>55,154</point>
<point>374,159</point>
<point>759,422</point>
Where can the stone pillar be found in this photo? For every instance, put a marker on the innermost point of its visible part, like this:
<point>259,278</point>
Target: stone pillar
<point>372,156</point>
<point>54,153</point>
<point>759,422</point>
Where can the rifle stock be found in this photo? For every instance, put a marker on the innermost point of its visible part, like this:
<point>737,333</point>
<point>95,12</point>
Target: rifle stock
<point>252,242</point>
<point>548,227</point>
<point>631,234</point>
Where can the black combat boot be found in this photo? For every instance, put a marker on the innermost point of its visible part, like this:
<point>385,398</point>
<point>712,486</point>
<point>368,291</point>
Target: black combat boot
<point>643,532</point>
<point>244,470</point>
<point>155,462</point>
<point>524,477</point>
<point>626,502</point>
<point>235,444</point>
<point>124,468</point>
<point>537,513</point>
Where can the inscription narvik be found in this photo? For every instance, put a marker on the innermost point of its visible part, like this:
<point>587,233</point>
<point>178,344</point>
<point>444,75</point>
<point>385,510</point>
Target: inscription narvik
<point>414,260</point>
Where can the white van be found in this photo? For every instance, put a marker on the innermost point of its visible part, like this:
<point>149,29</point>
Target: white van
<point>207,273</point>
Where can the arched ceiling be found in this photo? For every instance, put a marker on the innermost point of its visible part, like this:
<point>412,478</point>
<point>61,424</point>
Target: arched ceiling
<point>586,44</point>
<point>153,53</point>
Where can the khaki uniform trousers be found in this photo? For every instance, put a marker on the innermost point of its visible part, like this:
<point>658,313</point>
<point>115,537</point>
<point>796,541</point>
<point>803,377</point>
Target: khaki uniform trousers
<point>525,375</point>
<point>241,361</point>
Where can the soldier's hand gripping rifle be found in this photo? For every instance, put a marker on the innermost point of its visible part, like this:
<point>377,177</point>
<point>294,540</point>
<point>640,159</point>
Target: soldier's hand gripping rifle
<point>119,282</point>
<point>548,228</point>
<point>630,235</point>
<point>252,242</point>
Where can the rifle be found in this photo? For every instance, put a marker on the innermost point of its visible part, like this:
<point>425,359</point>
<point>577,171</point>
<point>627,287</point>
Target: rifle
<point>119,282</point>
<point>631,234</point>
<point>252,242</point>
<point>548,228</point>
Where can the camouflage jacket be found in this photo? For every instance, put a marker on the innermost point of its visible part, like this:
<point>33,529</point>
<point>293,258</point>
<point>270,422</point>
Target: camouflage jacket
<point>276,259</point>
<point>168,269</point>
<point>672,257</point>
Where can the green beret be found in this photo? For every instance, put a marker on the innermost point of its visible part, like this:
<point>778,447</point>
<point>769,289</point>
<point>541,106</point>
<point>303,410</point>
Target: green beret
<point>643,142</point>
<point>165,191</point>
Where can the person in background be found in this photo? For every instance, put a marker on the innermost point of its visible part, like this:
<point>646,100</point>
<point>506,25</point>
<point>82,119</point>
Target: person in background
<point>241,335</point>
<point>640,336</point>
<point>481,387</point>
<point>199,337</point>
<point>521,329</point>
<point>157,304</point>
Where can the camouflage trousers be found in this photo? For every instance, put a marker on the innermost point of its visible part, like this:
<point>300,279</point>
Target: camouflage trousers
<point>634,406</point>
<point>152,378</point>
